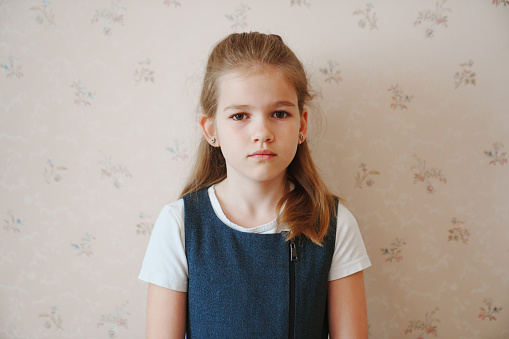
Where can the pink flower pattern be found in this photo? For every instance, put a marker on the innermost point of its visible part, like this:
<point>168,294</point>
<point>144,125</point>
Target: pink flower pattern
<point>12,68</point>
<point>458,232</point>
<point>331,73</point>
<point>497,155</point>
<point>368,16</point>
<point>466,76</point>
<point>53,173</point>
<point>306,3</point>
<point>433,18</point>
<point>115,172</point>
<point>178,151</point>
<point>145,225</point>
<point>54,319</point>
<point>144,73</point>
<point>500,2</point>
<point>364,176</point>
<point>115,321</point>
<point>109,17</point>
<point>394,250</point>
<point>45,13</point>
<point>81,94</point>
<point>84,246</point>
<point>239,17</point>
<point>399,98</point>
<point>489,310</point>
<point>12,223</point>
<point>423,328</point>
<point>169,3</point>
<point>430,177</point>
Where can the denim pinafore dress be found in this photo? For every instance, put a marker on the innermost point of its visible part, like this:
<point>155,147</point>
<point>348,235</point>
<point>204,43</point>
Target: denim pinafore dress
<point>245,285</point>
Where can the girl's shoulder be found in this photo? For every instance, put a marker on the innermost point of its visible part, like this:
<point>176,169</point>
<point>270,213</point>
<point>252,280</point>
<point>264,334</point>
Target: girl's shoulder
<point>165,259</point>
<point>344,215</point>
<point>171,216</point>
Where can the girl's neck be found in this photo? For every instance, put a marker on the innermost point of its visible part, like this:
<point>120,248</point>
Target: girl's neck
<point>249,204</point>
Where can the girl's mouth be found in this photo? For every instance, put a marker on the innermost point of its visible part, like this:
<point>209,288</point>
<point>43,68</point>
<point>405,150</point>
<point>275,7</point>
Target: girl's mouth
<point>262,155</point>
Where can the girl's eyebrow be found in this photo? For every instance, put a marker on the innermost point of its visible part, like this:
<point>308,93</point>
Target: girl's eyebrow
<point>237,107</point>
<point>284,103</point>
<point>277,104</point>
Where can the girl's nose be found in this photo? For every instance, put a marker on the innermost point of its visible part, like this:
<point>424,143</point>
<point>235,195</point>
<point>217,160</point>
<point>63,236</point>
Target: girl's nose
<point>262,131</point>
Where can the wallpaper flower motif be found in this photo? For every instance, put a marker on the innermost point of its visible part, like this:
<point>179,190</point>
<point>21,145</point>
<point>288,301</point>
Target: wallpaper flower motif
<point>458,232</point>
<point>363,176</point>
<point>44,13</point>
<point>500,2</point>
<point>54,319</point>
<point>239,17</point>
<point>423,328</point>
<point>81,94</point>
<point>52,172</point>
<point>497,155</point>
<point>145,225</point>
<point>429,177</point>
<point>172,3</point>
<point>393,252</point>
<point>12,68</point>
<point>488,310</point>
<point>399,98</point>
<point>466,76</point>
<point>144,73</point>
<point>178,151</point>
<point>306,3</point>
<point>109,17</point>
<point>115,321</point>
<point>115,172</point>
<point>12,223</point>
<point>84,246</point>
<point>433,18</point>
<point>331,73</point>
<point>367,17</point>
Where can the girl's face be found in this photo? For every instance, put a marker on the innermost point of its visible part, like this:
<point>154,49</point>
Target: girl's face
<point>257,124</point>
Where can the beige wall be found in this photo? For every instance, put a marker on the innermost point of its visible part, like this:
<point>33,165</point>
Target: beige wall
<point>97,109</point>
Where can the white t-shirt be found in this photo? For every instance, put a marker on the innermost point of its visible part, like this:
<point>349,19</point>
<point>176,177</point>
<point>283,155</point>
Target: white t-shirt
<point>165,262</point>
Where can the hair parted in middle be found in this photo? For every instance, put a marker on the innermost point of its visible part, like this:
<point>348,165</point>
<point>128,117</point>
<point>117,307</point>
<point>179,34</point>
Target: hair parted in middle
<point>309,206</point>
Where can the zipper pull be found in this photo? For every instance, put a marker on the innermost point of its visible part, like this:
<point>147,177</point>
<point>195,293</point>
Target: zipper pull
<point>293,251</point>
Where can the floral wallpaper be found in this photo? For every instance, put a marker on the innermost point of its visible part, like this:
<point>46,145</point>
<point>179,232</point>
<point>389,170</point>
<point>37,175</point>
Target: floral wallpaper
<point>97,131</point>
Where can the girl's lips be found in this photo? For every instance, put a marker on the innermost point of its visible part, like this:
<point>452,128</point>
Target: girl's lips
<point>262,155</point>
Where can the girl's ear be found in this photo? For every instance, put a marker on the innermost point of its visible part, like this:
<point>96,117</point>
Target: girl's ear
<point>209,129</point>
<point>303,123</point>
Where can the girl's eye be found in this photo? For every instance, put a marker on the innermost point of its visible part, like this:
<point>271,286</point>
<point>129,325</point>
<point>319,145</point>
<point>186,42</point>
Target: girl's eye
<point>239,116</point>
<point>280,114</point>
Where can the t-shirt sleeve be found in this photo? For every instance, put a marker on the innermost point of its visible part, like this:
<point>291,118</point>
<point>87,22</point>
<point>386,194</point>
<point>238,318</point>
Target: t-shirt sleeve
<point>165,262</point>
<point>350,254</point>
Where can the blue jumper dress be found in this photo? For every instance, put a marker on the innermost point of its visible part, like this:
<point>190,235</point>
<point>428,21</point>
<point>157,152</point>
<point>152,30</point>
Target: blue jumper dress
<point>245,285</point>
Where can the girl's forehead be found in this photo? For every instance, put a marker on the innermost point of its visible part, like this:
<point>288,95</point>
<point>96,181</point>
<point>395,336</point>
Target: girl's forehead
<point>238,77</point>
<point>254,70</point>
<point>261,86</point>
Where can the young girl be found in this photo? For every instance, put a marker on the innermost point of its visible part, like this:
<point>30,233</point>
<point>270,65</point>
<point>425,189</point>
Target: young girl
<point>257,247</point>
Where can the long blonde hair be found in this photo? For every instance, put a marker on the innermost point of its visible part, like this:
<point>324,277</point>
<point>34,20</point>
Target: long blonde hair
<point>309,206</point>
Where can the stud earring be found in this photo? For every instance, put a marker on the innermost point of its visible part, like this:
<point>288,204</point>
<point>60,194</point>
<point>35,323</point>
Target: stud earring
<point>213,141</point>
<point>301,138</point>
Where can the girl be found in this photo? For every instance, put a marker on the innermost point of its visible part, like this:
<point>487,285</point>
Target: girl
<point>256,247</point>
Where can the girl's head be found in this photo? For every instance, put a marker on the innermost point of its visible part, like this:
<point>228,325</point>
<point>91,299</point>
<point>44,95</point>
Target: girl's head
<point>242,52</point>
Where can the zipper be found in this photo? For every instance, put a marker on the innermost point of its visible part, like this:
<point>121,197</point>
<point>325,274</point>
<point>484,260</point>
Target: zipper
<point>293,259</point>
